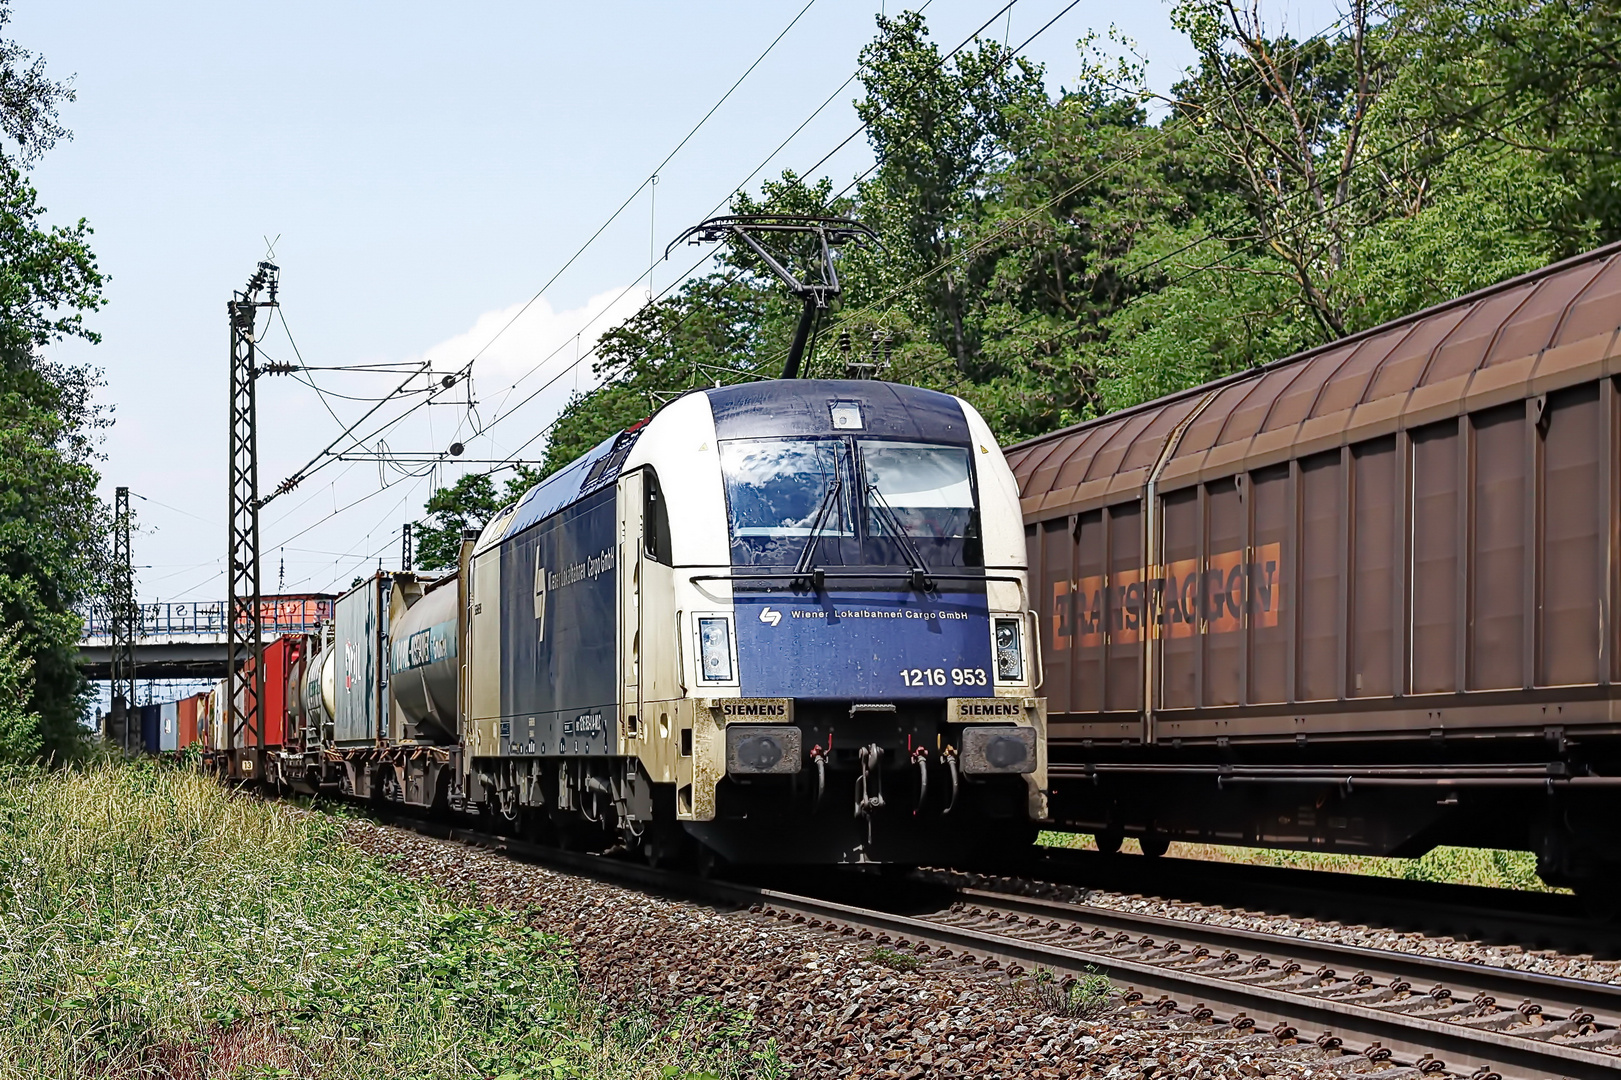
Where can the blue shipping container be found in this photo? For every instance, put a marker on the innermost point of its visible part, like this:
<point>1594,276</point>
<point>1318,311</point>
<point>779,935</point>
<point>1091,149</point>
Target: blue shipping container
<point>150,720</point>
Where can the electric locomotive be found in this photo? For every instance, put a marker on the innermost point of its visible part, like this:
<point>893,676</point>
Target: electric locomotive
<point>784,621</point>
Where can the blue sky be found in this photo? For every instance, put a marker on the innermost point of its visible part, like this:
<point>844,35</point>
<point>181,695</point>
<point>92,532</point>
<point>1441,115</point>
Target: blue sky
<point>426,168</point>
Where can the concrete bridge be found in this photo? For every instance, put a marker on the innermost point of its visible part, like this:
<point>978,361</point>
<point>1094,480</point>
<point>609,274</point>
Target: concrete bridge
<point>187,640</point>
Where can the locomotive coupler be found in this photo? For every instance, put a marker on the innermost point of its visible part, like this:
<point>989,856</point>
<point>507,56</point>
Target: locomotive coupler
<point>869,785</point>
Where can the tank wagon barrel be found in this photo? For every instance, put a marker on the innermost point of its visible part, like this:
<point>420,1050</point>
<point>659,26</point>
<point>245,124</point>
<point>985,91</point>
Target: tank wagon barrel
<point>1363,598</point>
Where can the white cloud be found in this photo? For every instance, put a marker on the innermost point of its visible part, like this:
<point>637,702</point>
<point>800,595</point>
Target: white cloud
<point>538,344</point>
<point>525,371</point>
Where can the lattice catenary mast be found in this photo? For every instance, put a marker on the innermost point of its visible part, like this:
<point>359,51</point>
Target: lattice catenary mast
<point>244,636</point>
<point>121,626</point>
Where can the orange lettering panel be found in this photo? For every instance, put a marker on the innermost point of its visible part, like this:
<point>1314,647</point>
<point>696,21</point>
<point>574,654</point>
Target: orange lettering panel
<point>1222,591</point>
<point>1179,601</point>
<point>1060,636</point>
<point>1128,605</point>
<point>1266,585</point>
<point>1089,611</point>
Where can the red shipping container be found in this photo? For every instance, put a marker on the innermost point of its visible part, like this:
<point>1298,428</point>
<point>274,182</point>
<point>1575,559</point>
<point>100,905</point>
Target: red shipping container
<point>189,708</point>
<point>278,657</point>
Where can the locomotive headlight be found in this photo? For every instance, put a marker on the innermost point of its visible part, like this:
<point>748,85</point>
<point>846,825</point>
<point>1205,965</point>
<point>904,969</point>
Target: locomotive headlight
<point>715,648</point>
<point>1009,650</point>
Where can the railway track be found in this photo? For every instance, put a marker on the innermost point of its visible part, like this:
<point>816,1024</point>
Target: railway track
<point>1529,920</point>
<point>1361,1010</point>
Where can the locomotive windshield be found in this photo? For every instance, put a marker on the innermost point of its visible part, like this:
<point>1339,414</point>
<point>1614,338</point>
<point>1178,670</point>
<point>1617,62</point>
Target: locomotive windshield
<point>850,502</point>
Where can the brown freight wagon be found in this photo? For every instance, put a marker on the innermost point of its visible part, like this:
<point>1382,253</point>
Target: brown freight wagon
<point>1360,599</point>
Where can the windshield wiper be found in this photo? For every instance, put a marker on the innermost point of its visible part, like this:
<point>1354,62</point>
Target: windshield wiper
<point>921,581</point>
<point>803,566</point>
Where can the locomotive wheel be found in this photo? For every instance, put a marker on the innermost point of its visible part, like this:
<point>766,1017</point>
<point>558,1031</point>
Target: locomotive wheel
<point>1154,845</point>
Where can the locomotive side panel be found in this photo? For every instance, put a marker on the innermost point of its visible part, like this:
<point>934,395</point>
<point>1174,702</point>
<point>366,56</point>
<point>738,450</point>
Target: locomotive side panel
<point>559,685</point>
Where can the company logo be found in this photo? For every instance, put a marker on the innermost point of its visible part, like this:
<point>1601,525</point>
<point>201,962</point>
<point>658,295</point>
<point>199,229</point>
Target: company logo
<point>754,708</point>
<point>540,597</point>
<point>770,616</point>
<point>988,709</point>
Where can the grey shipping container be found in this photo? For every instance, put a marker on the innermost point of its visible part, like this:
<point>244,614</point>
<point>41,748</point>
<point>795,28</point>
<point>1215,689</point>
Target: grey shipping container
<point>359,689</point>
<point>169,726</point>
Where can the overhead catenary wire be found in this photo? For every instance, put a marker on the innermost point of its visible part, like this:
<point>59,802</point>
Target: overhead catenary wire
<point>484,428</point>
<point>798,179</point>
<point>317,463</point>
<point>1007,227</point>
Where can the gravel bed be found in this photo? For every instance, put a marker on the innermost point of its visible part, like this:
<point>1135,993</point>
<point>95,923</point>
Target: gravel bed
<point>1545,961</point>
<point>831,1007</point>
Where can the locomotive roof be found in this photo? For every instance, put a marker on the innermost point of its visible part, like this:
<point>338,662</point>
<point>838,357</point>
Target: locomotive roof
<point>1550,328</point>
<point>751,410</point>
<point>803,407</point>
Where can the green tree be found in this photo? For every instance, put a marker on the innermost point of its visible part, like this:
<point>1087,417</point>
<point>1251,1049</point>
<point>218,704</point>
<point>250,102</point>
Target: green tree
<point>1052,259</point>
<point>52,528</point>
<point>938,129</point>
<point>20,738</point>
<point>469,503</point>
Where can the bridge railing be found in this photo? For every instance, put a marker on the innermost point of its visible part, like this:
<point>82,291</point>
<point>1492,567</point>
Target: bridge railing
<point>278,615</point>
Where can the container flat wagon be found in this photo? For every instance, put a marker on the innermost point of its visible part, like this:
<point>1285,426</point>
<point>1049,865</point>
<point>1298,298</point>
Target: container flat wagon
<point>1361,599</point>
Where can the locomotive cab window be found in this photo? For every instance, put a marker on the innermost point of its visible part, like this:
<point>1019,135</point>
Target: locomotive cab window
<point>781,492</point>
<point>926,492</point>
<point>655,519</point>
<point>850,502</point>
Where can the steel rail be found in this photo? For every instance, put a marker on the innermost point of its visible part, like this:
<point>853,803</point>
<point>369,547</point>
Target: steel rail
<point>1566,994</point>
<point>1203,981</point>
<point>1490,915</point>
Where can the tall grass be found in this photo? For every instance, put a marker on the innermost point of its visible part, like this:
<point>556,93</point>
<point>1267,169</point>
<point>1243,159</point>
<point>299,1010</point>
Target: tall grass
<point>1462,866</point>
<point>154,924</point>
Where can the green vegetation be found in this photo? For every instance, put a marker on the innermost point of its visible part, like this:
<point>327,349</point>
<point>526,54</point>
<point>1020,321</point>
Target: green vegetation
<point>1055,257</point>
<point>900,961</point>
<point>1086,996</point>
<point>52,526</point>
<point>153,923</point>
<point>1462,866</point>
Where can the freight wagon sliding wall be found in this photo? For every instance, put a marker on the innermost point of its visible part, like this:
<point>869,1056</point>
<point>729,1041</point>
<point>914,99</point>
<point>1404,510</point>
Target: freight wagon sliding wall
<point>1411,533</point>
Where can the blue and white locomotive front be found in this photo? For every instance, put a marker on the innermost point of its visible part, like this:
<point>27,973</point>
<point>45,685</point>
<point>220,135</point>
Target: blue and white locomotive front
<point>787,619</point>
<point>871,618</point>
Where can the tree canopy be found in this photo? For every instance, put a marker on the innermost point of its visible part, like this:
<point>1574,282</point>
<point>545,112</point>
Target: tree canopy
<point>52,526</point>
<point>1052,257</point>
